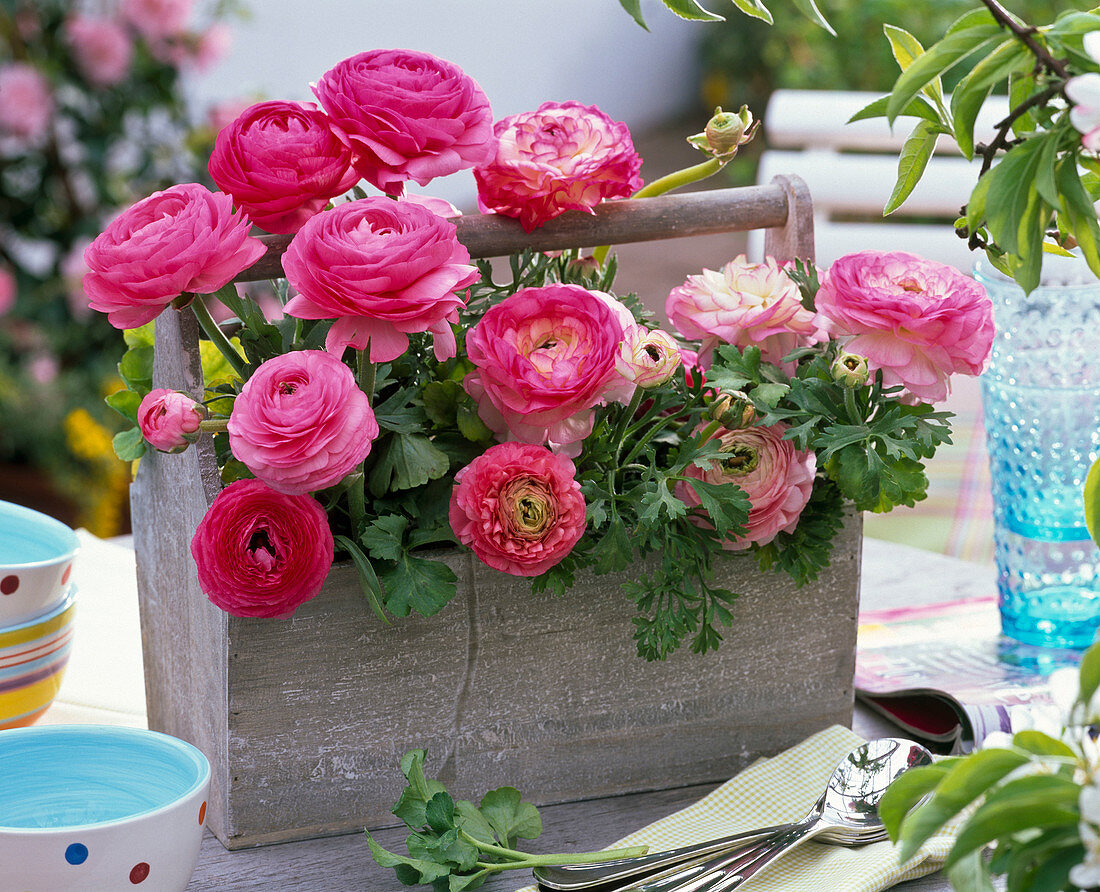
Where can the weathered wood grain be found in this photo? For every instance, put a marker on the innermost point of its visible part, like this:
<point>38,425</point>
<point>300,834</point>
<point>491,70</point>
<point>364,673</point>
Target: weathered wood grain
<point>304,719</point>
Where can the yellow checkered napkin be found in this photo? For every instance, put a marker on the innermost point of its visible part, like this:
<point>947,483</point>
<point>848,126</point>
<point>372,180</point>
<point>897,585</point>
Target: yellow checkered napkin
<point>781,789</point>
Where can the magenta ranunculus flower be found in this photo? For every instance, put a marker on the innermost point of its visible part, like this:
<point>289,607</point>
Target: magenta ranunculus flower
<point>648,358</point>
<point>519,508</point>
<point>744,304</point>
<point>408,115</point>
<point>918,320</point>
<point>185,238</point>
<point>301,423</point>
<point>777,478</point>
<point>102,49</point>
<point>545,357</point>
<point>381,269</point>
<point>563,156</point>
<point>26,103</point>
<point>281,162</point>
<point>169,420</point>
<point>260,552</point>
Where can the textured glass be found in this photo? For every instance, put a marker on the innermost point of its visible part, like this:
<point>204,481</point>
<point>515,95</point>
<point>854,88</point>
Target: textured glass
<point>1041,395</point>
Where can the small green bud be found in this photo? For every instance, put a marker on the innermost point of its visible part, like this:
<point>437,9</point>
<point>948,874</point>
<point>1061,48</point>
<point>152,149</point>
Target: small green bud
<point>733,410</point>
<point>725,133</point>
<point>850,369</point>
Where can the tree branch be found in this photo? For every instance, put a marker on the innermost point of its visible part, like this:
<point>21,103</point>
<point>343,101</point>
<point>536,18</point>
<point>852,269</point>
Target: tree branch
<point>1026,35</point>
<point>988,151</point>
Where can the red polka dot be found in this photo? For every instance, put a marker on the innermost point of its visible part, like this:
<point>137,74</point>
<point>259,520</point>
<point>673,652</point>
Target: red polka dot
<point>8,585</point>
<point>139,873</point>
<point>65,576</point>
<point>202,812</point>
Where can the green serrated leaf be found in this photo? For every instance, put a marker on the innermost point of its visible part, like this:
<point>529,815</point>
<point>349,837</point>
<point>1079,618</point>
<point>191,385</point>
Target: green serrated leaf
<point>385,536</point>
<point>129,445</point>
<point>126,403</point>
<point>439,812</point>
<point>418,584</point>
<point>509,816</point>
<point>405,461</point>
<point>136,368</point>
<point>613,551</point>
<point>410,871</point>
<point>912,163</point>
<point>726,504</point>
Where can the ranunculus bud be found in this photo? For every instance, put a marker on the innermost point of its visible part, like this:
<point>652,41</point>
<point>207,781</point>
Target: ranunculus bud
<point>733,410</point>
<point>169,420</point>
<point>850,369</point>
<point>725,133</point>
<point>647,358</point>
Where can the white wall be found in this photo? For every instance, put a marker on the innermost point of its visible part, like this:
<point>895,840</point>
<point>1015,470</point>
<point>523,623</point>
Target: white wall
<point>521,52</point>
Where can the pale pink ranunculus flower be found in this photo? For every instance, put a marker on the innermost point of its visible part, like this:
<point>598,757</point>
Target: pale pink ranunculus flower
<point>169,420</point>
<point>544,358</point>
<point>777,478</point>
<point>157,19</point>
<point>382,269</point>
<point>518,507</point>
<point>1083,92</point>
<point>744,304</point>
<point>562,156</point>
<point>8,290</point>
<point>260,552</point>
<point>917,320</point>
<point>281,162</point>
<point>408,115</point>
<point>183,239</point>
<point>301,423</point>
<point>26,102</point>
<point>102,49</point>
<point>648,358</point>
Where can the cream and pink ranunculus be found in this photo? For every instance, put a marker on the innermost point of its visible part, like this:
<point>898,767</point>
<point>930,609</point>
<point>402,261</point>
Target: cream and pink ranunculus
<point>184,239</point>
<point>408,115</point>
<point>301,423</point>
<point>562,156</point>
<point>169,420</point>
<point>262,553</point>
<point>648,358</point>
<point>281,162</point>
<point>382,269</point>
<point>518,507</point>
<point>26,102</point>
<point>777,478</point>
<point>744,304</point>
<point>917,320</point>
<point>102,49</point>
<point>545,357</point>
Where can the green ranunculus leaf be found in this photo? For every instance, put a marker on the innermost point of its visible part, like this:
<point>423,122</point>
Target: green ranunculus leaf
<point>440,400</point>
<point>368,579</point>
<point>385,537</point>
<point>613,551</point>
<point>126,403</point>
<point>136,368</point>
<point>509,816</point>
<point>129,444</point>
<point>139,337</point>
<point>410,871</point>
<point>406,461</point>
<point>470,819</point>
<point>418,584</point>
<point>439,812</point>
<point>470,424</point>
<point>726,505</point>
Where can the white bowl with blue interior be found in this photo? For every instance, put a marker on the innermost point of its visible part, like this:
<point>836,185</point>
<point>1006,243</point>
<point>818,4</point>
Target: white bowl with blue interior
<point>36,560</point>
<point>99,808</point>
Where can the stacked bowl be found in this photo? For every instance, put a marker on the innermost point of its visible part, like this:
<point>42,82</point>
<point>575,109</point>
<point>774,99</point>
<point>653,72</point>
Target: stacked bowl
<point>37,607</point>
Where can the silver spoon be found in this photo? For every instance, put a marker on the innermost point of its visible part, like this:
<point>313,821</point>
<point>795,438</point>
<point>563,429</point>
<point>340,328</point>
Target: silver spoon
<point>846,814</point>
<point>667,869</point>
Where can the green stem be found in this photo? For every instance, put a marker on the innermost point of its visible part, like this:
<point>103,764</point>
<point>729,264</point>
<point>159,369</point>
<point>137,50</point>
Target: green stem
<point>624,420</point>
<point>850,405</point>
<point>523,859</point>
<point>366,373</point>
<point>217,336</point>
<point>675,180</point>
<point>214,425</point>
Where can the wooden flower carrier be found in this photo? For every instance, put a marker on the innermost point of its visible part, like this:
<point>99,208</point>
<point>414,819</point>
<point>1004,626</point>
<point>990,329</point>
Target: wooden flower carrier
<point>304,719</point>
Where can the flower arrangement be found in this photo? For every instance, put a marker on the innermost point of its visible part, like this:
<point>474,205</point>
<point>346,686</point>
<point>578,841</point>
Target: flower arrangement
<point>91,116</point>
<point>398,398</point>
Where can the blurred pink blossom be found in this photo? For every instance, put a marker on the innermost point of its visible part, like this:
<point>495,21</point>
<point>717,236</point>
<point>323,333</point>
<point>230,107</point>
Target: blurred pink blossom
<point>26,103</point>
<point>157,19</point>
<point>73,268</point>
<point>7,291</point>
<point>102,49</point>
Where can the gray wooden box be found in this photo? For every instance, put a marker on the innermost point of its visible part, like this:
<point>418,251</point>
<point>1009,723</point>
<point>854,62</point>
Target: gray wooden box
<point>304,719</point>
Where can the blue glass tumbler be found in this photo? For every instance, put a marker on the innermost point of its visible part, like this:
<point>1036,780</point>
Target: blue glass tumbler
<point>1041,397</point>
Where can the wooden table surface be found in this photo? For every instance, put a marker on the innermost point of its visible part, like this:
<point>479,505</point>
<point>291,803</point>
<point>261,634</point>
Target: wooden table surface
<point>893,575</point>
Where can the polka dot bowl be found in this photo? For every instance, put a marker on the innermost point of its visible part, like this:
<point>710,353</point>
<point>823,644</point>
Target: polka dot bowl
<point>33,657</point>
<point>98,807</point>
<point>36,560</point>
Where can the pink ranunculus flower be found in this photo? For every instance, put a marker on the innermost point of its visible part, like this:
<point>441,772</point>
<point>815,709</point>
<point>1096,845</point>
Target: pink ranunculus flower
<point>408,115</point>
<point>157,19</point>
<point>917,320</point>
<point>301,423</point>
<point>185,238</point>
<point>563,156</point>
<point>381,269</point>
<point>8,290</point>
<point>281,162</point>
<point>519,507</point>
<point>744,304</point>
<point>648,358</point>
<point>26,103</point>
<point>102,49</point>
<point>545,357</point>
<point>777,478</point>
<point>169,420</point>
<point>260,552</point>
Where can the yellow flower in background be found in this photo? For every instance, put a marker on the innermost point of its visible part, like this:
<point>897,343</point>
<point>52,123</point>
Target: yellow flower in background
<point>103,493</point>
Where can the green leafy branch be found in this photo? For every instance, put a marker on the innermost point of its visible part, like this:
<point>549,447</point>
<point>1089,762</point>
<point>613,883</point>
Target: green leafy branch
<point>456,845</point>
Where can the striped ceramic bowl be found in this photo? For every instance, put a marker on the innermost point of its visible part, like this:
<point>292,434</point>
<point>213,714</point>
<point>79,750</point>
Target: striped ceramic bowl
<point>33,656</point>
